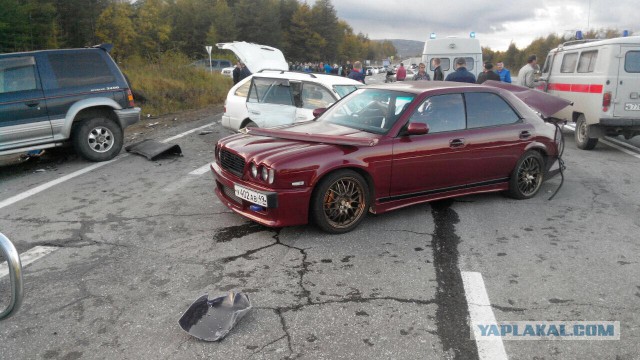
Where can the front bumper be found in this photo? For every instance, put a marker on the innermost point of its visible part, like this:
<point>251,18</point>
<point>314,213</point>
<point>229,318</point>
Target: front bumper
<point>128,117</point>
<point>292,204</point>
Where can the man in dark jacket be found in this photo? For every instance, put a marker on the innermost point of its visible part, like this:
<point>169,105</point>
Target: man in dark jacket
<point>356,73</point>
<point>488,74</point>
<point>437,70</point>
<point>461,74</point>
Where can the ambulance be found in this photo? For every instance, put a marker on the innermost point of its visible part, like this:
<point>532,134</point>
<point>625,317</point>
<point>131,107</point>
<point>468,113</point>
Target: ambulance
<point>602,79</point>
<point>451,48</point>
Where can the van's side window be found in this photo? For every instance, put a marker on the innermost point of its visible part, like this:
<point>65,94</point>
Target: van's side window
<point>445,64</point>
<point>632,62</point>
<point>569,62</point>
<point>547,64</point>
<point>587,62</point>
<point>469,61</point>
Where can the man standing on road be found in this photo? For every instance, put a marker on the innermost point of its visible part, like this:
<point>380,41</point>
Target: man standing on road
<point>236,72</point>
<point>461,74</point>
<point>356,73</point>
<point>526,74</point>
<point>422,73</point>
<point>505,75</point>
<point>488,74</point>
<point>437,70</point>
<point>401,73</point>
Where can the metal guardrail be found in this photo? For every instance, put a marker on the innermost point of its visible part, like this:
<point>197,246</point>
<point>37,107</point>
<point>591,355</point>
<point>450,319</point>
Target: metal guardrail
<point>15,272</point>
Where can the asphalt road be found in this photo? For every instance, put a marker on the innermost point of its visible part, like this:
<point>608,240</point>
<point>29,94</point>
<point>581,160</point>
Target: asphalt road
<point>134,242</point>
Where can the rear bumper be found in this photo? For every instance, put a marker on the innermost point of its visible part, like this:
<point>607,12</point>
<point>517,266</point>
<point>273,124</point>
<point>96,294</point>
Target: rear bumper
<point>620,122</point>
<point>128,117</point>
<point>292,205</point>
<point>225,121</point>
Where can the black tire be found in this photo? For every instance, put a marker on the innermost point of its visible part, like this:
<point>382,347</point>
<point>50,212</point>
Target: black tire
<point>340,202</point>
<point>97,139</point>
<point>582,140</point>
<point>250,124</point>
<point>527,176</point>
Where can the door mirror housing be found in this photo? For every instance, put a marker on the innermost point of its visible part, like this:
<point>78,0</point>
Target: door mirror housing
<point>319,111</point>
<point>417,128</point>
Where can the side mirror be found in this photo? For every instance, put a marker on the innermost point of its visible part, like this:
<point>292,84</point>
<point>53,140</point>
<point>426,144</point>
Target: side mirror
<point>15,271</point>
<point>416,128</point>
<point>319,111</point>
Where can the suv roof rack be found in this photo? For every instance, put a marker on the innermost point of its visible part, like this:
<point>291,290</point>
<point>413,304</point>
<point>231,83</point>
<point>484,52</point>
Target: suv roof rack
<point>291,71</point>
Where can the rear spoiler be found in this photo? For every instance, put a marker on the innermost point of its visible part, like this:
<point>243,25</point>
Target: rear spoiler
<point>105,47</point>
<point>539,101</point>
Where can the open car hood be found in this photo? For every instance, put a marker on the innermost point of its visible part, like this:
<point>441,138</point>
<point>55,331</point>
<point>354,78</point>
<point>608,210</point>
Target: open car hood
<point>257,57</point>
<point>299,136</point>
<point>539,101</point>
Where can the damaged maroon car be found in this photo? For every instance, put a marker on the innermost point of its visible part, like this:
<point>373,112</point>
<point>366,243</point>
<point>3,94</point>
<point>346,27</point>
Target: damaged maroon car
<point>386,147</point>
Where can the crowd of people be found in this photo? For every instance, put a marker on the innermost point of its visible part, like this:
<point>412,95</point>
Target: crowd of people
<point>461,74</point>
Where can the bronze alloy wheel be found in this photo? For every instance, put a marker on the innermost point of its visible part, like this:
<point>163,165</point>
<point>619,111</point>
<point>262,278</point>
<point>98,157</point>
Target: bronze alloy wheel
<point>529,176</point>
<point>344,202</point>
<point>340,201</point>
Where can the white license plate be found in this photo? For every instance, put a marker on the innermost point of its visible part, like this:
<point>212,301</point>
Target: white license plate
<point>632,107</point>
<point>250,195</point>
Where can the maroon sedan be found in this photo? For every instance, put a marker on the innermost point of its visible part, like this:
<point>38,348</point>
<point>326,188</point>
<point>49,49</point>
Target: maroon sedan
<point>386,147</point>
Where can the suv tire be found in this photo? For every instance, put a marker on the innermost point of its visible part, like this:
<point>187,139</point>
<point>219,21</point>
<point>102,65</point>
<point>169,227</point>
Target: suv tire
<point>583,141</point>
<point>97,139</point>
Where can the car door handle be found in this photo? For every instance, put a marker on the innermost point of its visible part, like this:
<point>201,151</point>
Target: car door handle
<point>32,104</point>
<point>525,135</point>
<point>456,143</point>
<point>254,112</point>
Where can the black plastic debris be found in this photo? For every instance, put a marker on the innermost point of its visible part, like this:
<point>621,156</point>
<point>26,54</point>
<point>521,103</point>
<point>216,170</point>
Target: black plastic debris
<point>211,320</point>
<point>152,149</point>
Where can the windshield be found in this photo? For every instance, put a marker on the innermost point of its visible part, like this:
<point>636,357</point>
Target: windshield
<point>344,90</point>
<point>370,110</point>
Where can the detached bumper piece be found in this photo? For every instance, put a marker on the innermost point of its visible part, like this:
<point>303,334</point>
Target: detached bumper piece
<point>211,320</point>
<point>152,149</point>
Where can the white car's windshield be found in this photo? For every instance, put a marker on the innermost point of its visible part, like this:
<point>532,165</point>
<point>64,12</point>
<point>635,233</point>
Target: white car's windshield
<point>344,90</point>
<point>371,110</point>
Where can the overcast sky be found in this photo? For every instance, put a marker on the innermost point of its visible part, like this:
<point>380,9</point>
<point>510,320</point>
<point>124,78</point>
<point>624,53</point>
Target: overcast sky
<point>496,23</point>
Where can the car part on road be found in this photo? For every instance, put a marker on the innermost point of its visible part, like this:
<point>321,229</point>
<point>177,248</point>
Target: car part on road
<point>9,252</point>
<point>152,149</point>
<point>211,320</point>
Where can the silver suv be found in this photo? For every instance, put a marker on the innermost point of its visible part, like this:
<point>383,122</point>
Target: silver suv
<point>52,97</point>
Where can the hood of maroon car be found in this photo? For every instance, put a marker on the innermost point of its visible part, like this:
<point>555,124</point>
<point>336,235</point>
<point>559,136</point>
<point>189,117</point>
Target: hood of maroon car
<point>326,136</point>
<point>539,101</point>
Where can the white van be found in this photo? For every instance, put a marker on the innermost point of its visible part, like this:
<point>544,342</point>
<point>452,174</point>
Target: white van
<point>449,50</point>
<point>602,79</point>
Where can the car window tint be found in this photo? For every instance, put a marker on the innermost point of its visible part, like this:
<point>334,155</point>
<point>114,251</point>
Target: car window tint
<point>80,69</point>
<point>632,62</point>
<point>445,64</point>
<point>486,109</point>
<point>270,91</point>
<point>469,61</point>
<point>315,97</point>
<point>587,61</point>
<point>17,74</point>
<point>441,113</point>
<point>243,90</point>
<point>569,62</point>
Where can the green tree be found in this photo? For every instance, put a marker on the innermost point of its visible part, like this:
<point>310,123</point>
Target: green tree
<point>302,44</point>
<point>258,21</point>
<point>152,27</point>
<point>77,21</point>
<point>324,22</point>
<point>114,26</point>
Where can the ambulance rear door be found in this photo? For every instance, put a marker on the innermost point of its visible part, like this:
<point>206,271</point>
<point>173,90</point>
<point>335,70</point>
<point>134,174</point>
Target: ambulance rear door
<point>627,99</point>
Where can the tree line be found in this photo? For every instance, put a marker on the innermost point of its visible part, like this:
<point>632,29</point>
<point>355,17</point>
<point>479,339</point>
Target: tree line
<point>149,28</point>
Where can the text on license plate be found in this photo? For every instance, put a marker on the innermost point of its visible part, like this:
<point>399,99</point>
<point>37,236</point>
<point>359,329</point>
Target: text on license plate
<point>250,195</point>
<point>632,107</point>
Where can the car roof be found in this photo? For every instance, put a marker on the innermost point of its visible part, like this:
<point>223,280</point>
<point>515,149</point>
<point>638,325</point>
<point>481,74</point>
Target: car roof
<point>418,87</point>
<point>325,79</point>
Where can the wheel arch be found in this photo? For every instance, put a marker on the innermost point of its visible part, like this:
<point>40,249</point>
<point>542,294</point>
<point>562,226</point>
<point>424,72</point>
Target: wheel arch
<point>83,109</point>
<point>359,170</point>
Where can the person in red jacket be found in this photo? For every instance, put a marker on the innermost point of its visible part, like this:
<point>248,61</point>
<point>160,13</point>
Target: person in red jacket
<point>401,73</point>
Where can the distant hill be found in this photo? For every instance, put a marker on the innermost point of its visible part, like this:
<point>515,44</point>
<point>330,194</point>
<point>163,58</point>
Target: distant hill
<point>407,48</point>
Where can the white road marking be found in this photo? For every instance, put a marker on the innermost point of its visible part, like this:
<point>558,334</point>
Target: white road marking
<point>622,143</point>
<point>480,312</point>
<point>626,151</point>
<point>201,170</point>
<point>28,257</point>
<point>14,199</point>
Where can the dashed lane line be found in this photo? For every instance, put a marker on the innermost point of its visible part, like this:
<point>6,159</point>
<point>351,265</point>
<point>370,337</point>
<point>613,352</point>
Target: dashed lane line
<point>28,257</point>
<point>480,312</point>
<point>14,199</point>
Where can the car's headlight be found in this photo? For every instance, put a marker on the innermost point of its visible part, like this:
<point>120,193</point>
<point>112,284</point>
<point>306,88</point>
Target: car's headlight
<point>265,173</point>
<point>254,170</point>
<point>272,176</point>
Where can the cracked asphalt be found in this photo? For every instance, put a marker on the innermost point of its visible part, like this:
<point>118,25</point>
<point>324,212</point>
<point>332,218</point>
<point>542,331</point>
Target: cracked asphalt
<point>139,240</point>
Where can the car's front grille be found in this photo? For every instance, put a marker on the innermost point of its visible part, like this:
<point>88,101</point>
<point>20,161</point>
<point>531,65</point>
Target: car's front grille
<point>232,162</point>
<point>230,193</point>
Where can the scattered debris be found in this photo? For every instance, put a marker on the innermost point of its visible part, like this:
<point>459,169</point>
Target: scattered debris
<point>152,124</point>
<point>152,149</point>
<point>205,132</point>
<point>211,320</point>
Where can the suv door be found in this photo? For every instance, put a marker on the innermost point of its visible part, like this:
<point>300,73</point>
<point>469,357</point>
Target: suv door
<point>23,110</point>
<point>627,102</point>
<point>270,102</point>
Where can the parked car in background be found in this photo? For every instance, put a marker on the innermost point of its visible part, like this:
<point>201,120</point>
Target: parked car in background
<point>385,147</point>
<point>216,65</point>
<point>52,97</point>
<point>602,79</point>
<point>275,96</point>
<point>228,71</point>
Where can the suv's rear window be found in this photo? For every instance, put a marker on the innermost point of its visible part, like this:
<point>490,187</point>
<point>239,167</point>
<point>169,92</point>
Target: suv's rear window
<point>80,69</point>
<point>632,62</point>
